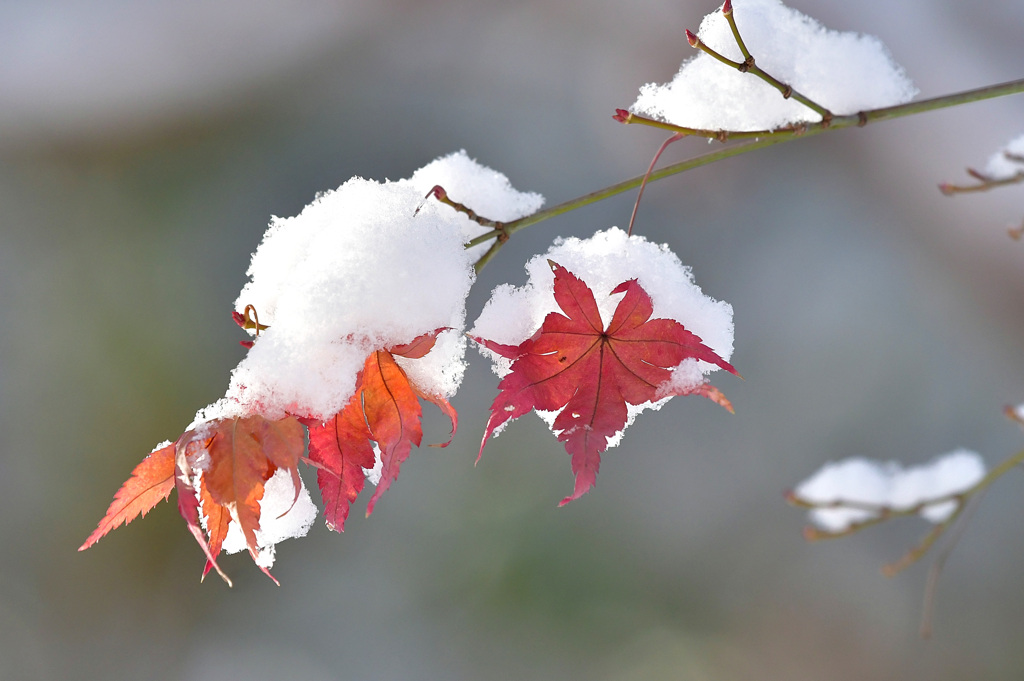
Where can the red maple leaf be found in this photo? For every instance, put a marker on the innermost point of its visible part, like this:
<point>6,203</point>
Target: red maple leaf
<point>341,450</point>
<point>384,410</point>
<point>590,373</point>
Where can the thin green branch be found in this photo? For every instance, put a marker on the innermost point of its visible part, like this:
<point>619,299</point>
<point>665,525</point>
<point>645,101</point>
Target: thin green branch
<point>630,118</point>
<point>748,65</point>
<point>488,256</point>
<point>767,139</point>
<point>984,183</point>
<point>727,11</point>
<point>484,238</point>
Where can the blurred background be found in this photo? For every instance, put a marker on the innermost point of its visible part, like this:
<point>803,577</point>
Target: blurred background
<point>143,148</point>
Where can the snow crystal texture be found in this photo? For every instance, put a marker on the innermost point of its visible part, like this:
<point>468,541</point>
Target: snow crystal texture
<point>366,266</point>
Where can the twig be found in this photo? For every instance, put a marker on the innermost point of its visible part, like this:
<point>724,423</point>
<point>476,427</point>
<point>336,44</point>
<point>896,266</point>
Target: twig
<point>439,193</point>
<point>935,571</point>
<point>883,513</point>
<point>985,183</point>
<point>749,65</point>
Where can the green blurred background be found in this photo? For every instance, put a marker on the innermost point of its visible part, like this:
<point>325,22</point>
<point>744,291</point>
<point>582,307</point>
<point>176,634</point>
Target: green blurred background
<point>144,147</point>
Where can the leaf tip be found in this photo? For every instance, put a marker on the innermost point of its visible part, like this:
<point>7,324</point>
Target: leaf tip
<point>266,571</point>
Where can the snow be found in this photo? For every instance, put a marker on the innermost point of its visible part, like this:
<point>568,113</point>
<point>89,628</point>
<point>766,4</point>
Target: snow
<point>999,167</point>
<point>279,518</point>
<point>360,269</point>
<point>366,266</point>
<point>604,261</point>
<point>845,72</point>
<point>861,483</point>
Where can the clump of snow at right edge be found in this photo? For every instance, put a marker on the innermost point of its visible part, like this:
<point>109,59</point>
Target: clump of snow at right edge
<point>1001,167</point>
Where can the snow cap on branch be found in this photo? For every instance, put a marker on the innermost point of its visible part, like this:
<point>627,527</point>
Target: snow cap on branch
<point>843,72</point>
<point>604,261</point>
<point>358,270</point>
<point>859,490</point>
<point>1007,162</point>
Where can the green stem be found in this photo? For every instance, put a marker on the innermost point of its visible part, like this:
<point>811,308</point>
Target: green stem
<point>764,139</point>
<point>731,18</point>
<point>787,90</point>
<point>748,65</point>
<point>996,473</point>
<point>983,186</point>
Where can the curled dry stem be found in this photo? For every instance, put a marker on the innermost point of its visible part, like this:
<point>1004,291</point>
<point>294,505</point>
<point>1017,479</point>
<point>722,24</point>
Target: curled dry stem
<point>249,319</point>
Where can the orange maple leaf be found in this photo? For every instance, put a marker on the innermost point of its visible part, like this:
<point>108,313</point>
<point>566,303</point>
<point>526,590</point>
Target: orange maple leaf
<point>220,469</point>
<point>384,410</point>
<point>234,458</point>
<point>150,483</point>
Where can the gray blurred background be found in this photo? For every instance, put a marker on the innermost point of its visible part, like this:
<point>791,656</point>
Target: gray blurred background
<point>143,148</point>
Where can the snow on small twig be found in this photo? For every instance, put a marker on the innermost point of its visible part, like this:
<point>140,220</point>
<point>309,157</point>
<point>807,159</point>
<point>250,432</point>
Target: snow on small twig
<point>849,494</point>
